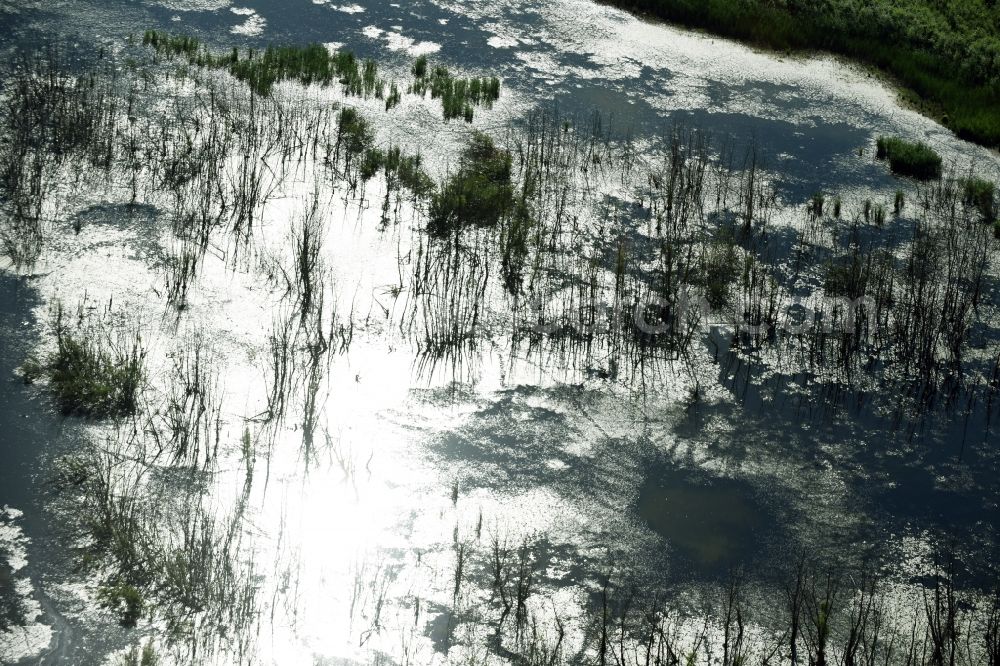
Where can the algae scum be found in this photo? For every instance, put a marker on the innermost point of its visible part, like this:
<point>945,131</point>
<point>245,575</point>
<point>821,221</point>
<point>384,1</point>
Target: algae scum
<point>484,333</point>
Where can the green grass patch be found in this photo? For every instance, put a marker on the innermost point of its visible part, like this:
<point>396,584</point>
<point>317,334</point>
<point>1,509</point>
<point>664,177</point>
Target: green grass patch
<point>906,158</point>
<point>90,373</point>
<point>981,195</point>
<point>480,192</point>
<point>459,96</point>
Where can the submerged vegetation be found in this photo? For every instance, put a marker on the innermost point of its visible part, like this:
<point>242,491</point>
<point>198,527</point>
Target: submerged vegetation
<point>945,54</point>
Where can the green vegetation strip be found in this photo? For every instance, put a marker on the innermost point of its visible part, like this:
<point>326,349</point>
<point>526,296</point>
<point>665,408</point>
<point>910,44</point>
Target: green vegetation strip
<point>308,64</point>
<point>945,54</point>
<point>314,64</point>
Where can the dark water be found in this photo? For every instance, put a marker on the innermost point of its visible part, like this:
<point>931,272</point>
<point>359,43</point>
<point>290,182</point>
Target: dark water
<point>715,524</point>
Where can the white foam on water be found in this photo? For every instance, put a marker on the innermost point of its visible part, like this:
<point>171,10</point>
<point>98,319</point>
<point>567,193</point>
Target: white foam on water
<point>194,5</point>
<point>253,25</point>
<point>27,640</point>
<point>396,41</point>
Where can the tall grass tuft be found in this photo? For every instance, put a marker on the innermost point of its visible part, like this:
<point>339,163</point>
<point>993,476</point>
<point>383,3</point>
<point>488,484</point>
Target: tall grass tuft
<point>980,194</point>
<point>458,96</point>
<point>481,191</point>
<point>906,158</point>
<point>95,373</point>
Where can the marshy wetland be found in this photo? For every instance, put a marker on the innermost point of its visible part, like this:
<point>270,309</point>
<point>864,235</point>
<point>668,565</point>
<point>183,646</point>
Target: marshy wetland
<point>485,333</point>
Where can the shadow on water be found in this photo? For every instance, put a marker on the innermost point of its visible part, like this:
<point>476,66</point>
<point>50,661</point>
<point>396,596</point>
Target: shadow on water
<point>911,469</point>
<point>31,436</point>
<point>713,524</point>
<point>24,428</point>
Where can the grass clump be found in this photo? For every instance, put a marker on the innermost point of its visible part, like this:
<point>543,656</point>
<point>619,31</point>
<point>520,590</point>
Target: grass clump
<point>907,158</point>
<point>124,600</point>
<point>480,192</point>
<point>816,203</point>
<point>458,95</point>
<point>92,375</point>
<point>979,194</point>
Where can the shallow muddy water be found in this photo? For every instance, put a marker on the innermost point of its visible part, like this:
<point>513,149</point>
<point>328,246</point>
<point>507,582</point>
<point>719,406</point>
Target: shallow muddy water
<point>379,529</point>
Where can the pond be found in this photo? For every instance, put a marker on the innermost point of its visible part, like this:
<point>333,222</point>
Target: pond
<point>355,442</point>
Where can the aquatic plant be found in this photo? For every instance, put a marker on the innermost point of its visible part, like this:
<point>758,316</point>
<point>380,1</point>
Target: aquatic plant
<point>124,600</point>
<point>479,192</point>
<point>878,215</point>
<point>95,373</point>
<point>50,117</point>
<point>393,98</point>
<point>159,550</point>
<point>182,268</point>
<point>192,415</point>
<point>355,135</point>
<point>979,193</point>
<point>458,96</point>
<point>907,158</point>
<point>720,268</point>
<point>12,607</point>
<point>136,657</point>
<point>171,45</point>
<point>419,68</point>
<point>816,204</point>
<point>309,64</point>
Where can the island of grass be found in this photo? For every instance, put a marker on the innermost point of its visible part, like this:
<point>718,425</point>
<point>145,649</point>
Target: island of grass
<point>906,158</point>
<point>945,55</point>
<point>481,191</point>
